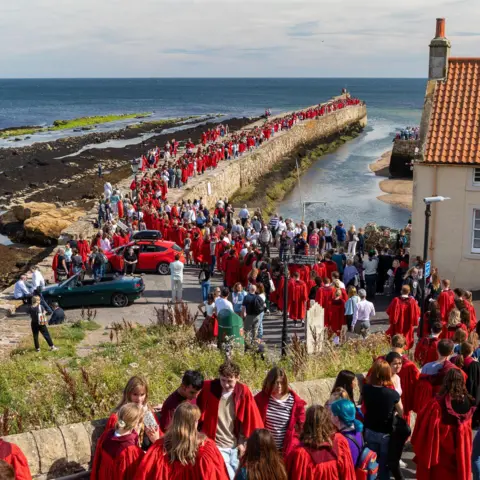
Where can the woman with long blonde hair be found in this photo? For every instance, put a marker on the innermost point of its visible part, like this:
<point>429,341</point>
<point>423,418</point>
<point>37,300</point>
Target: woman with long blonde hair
<point>183,452</point>
<point>136,391</point>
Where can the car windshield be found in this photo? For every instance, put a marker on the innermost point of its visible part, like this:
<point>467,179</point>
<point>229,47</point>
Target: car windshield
<point>70,282</point>
<point>176,248</point>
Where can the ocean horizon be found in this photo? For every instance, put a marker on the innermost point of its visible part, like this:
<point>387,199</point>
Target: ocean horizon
<point>41,101</point>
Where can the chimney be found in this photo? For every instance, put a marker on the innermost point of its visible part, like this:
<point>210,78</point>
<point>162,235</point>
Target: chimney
<point>439,53</point>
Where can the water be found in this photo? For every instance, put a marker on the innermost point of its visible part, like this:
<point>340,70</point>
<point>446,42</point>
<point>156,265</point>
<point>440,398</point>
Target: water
<point>341,178</point>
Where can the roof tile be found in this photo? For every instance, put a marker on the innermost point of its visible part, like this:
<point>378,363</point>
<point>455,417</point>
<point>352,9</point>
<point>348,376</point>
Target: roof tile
<point>453,133</point>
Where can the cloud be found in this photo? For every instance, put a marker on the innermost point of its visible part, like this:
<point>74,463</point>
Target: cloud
<point>303,29</point>
<point>199,38</point>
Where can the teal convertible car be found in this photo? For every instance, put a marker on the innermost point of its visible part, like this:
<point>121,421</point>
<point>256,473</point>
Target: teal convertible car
<point>118,291</point>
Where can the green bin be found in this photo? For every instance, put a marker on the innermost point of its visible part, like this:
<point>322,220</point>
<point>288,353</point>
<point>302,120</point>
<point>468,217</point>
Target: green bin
<point>230,325</point>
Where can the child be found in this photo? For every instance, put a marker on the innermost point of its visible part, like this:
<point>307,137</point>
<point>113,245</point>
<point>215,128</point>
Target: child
<point>136,391</point>
<point>117,454</point>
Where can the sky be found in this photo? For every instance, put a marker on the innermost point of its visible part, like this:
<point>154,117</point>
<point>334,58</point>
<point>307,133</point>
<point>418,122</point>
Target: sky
<point>229,38</point>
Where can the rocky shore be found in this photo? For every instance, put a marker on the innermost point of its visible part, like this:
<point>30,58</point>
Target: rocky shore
<point>398,192</point>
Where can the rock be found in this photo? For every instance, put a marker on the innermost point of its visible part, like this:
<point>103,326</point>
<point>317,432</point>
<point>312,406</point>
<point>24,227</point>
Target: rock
<point>8,217</point>
<point>49,225</point>
<point>31,209</point>
<point>48,147</point>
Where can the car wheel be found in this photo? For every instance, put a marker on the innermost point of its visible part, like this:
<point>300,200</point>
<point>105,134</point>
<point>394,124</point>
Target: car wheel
<point>163,268</point>
<point>119,300</point>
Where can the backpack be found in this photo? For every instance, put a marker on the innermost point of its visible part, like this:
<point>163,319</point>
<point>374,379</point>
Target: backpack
<point>366,467</point>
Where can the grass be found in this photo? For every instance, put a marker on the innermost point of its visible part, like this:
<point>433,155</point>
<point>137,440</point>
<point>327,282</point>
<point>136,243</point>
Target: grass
<point>59,388</point>
<point>283,176</point>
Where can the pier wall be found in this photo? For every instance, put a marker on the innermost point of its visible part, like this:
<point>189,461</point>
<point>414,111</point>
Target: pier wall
<point>241,172</point>
<point>402,157</point>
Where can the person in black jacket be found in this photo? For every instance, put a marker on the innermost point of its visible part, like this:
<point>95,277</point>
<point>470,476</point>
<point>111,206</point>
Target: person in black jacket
<point>471,367</point>
<point>412,279</point>
<point>58,315</point>
<point>39,324</point>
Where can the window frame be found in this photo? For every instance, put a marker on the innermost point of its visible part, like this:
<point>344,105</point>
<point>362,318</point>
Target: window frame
<point>475,182</point>
<point>473,249</point>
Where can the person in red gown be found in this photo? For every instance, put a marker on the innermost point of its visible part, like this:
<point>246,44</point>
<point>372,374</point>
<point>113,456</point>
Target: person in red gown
<point>446,300</point>
<point>442,439</point>
<point>429,318</point>
<point>232,269</point>
<point>83,247</point>
<point>136,391</point>
<point>183,453</point>
<point>330,265</point>
<point>322,454</point>
<point>403,313</point>
<point>11,454</point>
<point>117,454</point>
<point>433,374</point>
<point>337,312</point>
<point>297,298</point>
<point>217,397</point>
<point>426,349</point>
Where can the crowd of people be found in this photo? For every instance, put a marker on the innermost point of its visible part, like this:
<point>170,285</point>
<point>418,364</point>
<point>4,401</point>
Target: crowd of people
<point>408,133</point>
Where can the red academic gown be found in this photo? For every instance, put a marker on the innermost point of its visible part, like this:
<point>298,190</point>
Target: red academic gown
<point>232,270</point>
<point>442,442</point>
<point>330,267</point>
<point>11,454</point>
<point>247,416</point>
<point>83,249</point>
<point>320,270</point>
<point>336,315</point>
<point>116,458</point>
<point>295,424</point>
<point>403,313</point>
<point>297,299</point>
<point>327,463</point>
<point>209,464</point>
<point>450,331</point>
<point>196,248</point>
<point>426,350</point>
<point>473,315</point>
<point>446,301</point>
<point>428,386</point>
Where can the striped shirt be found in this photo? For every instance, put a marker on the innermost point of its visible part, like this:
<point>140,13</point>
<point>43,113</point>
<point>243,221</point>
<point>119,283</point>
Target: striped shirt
<point>278,417</point>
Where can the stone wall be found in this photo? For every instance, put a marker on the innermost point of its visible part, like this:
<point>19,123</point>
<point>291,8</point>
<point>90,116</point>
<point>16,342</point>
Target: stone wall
<point>403,154</point>
<point>223,182</point>
<point>54,453</point>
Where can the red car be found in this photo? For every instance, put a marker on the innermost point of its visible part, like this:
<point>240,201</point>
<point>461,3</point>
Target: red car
<point>152,255</point>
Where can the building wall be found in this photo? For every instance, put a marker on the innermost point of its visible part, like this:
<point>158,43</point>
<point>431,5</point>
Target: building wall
<point>245,170</point>
<point>451,222</point>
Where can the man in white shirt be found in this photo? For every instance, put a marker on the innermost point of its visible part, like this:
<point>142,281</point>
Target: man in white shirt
<point>222,302</point>
<point>37,278</point>
<point>176,271</point>
<point>244,215</point>
<point>362,313</point>
<point>21,291</point>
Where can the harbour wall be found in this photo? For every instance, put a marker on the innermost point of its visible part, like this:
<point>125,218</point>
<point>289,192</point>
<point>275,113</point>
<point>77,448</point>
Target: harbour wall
<point>242,172</point>
<point>403,154</point>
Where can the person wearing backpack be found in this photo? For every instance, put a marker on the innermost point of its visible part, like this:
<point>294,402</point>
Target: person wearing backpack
<point>252,308</point>
<point>344,418</point>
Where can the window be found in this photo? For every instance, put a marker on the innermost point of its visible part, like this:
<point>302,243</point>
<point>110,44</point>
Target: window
<point>476,231</point>
<point>476,176</point>
<point>149,248</point>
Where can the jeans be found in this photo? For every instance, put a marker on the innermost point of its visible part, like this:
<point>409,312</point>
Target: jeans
<point>362,328</point>
<point>265,248</point>
<point>260,325</point>
<point>212,264</point>
<point>176,290</point>
<point>378,442</point>
<point>230,457</point>
<point>36,329</point>
<point>476,457</point>
<point>371,284</point>
<point>97,272</point>
<point>250,327</point>
<point>351,248</point>
<point>205,290</point>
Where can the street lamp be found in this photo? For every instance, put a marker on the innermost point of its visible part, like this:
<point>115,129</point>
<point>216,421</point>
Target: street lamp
<point>428,213</point>
<point>135,165</point>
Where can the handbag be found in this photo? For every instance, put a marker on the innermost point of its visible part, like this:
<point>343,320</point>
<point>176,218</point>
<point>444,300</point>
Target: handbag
<point>272,285</point>
<point>42,317</point>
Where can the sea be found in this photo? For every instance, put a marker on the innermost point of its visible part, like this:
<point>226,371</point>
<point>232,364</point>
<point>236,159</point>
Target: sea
<point>341,179</point>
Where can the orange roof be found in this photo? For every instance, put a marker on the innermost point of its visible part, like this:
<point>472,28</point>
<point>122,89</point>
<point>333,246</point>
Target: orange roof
<point>454,130</point>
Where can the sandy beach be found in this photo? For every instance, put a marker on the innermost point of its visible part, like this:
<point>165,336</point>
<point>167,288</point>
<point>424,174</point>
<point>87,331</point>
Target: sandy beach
<point>397,191</point>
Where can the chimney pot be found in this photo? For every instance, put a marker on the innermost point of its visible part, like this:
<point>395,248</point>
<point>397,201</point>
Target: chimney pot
<point>440,33</point>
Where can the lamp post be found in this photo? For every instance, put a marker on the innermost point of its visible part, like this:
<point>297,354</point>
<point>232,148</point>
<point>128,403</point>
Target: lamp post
<point>135,165</point>
<point>428,213</point>
<point>285,302</point>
